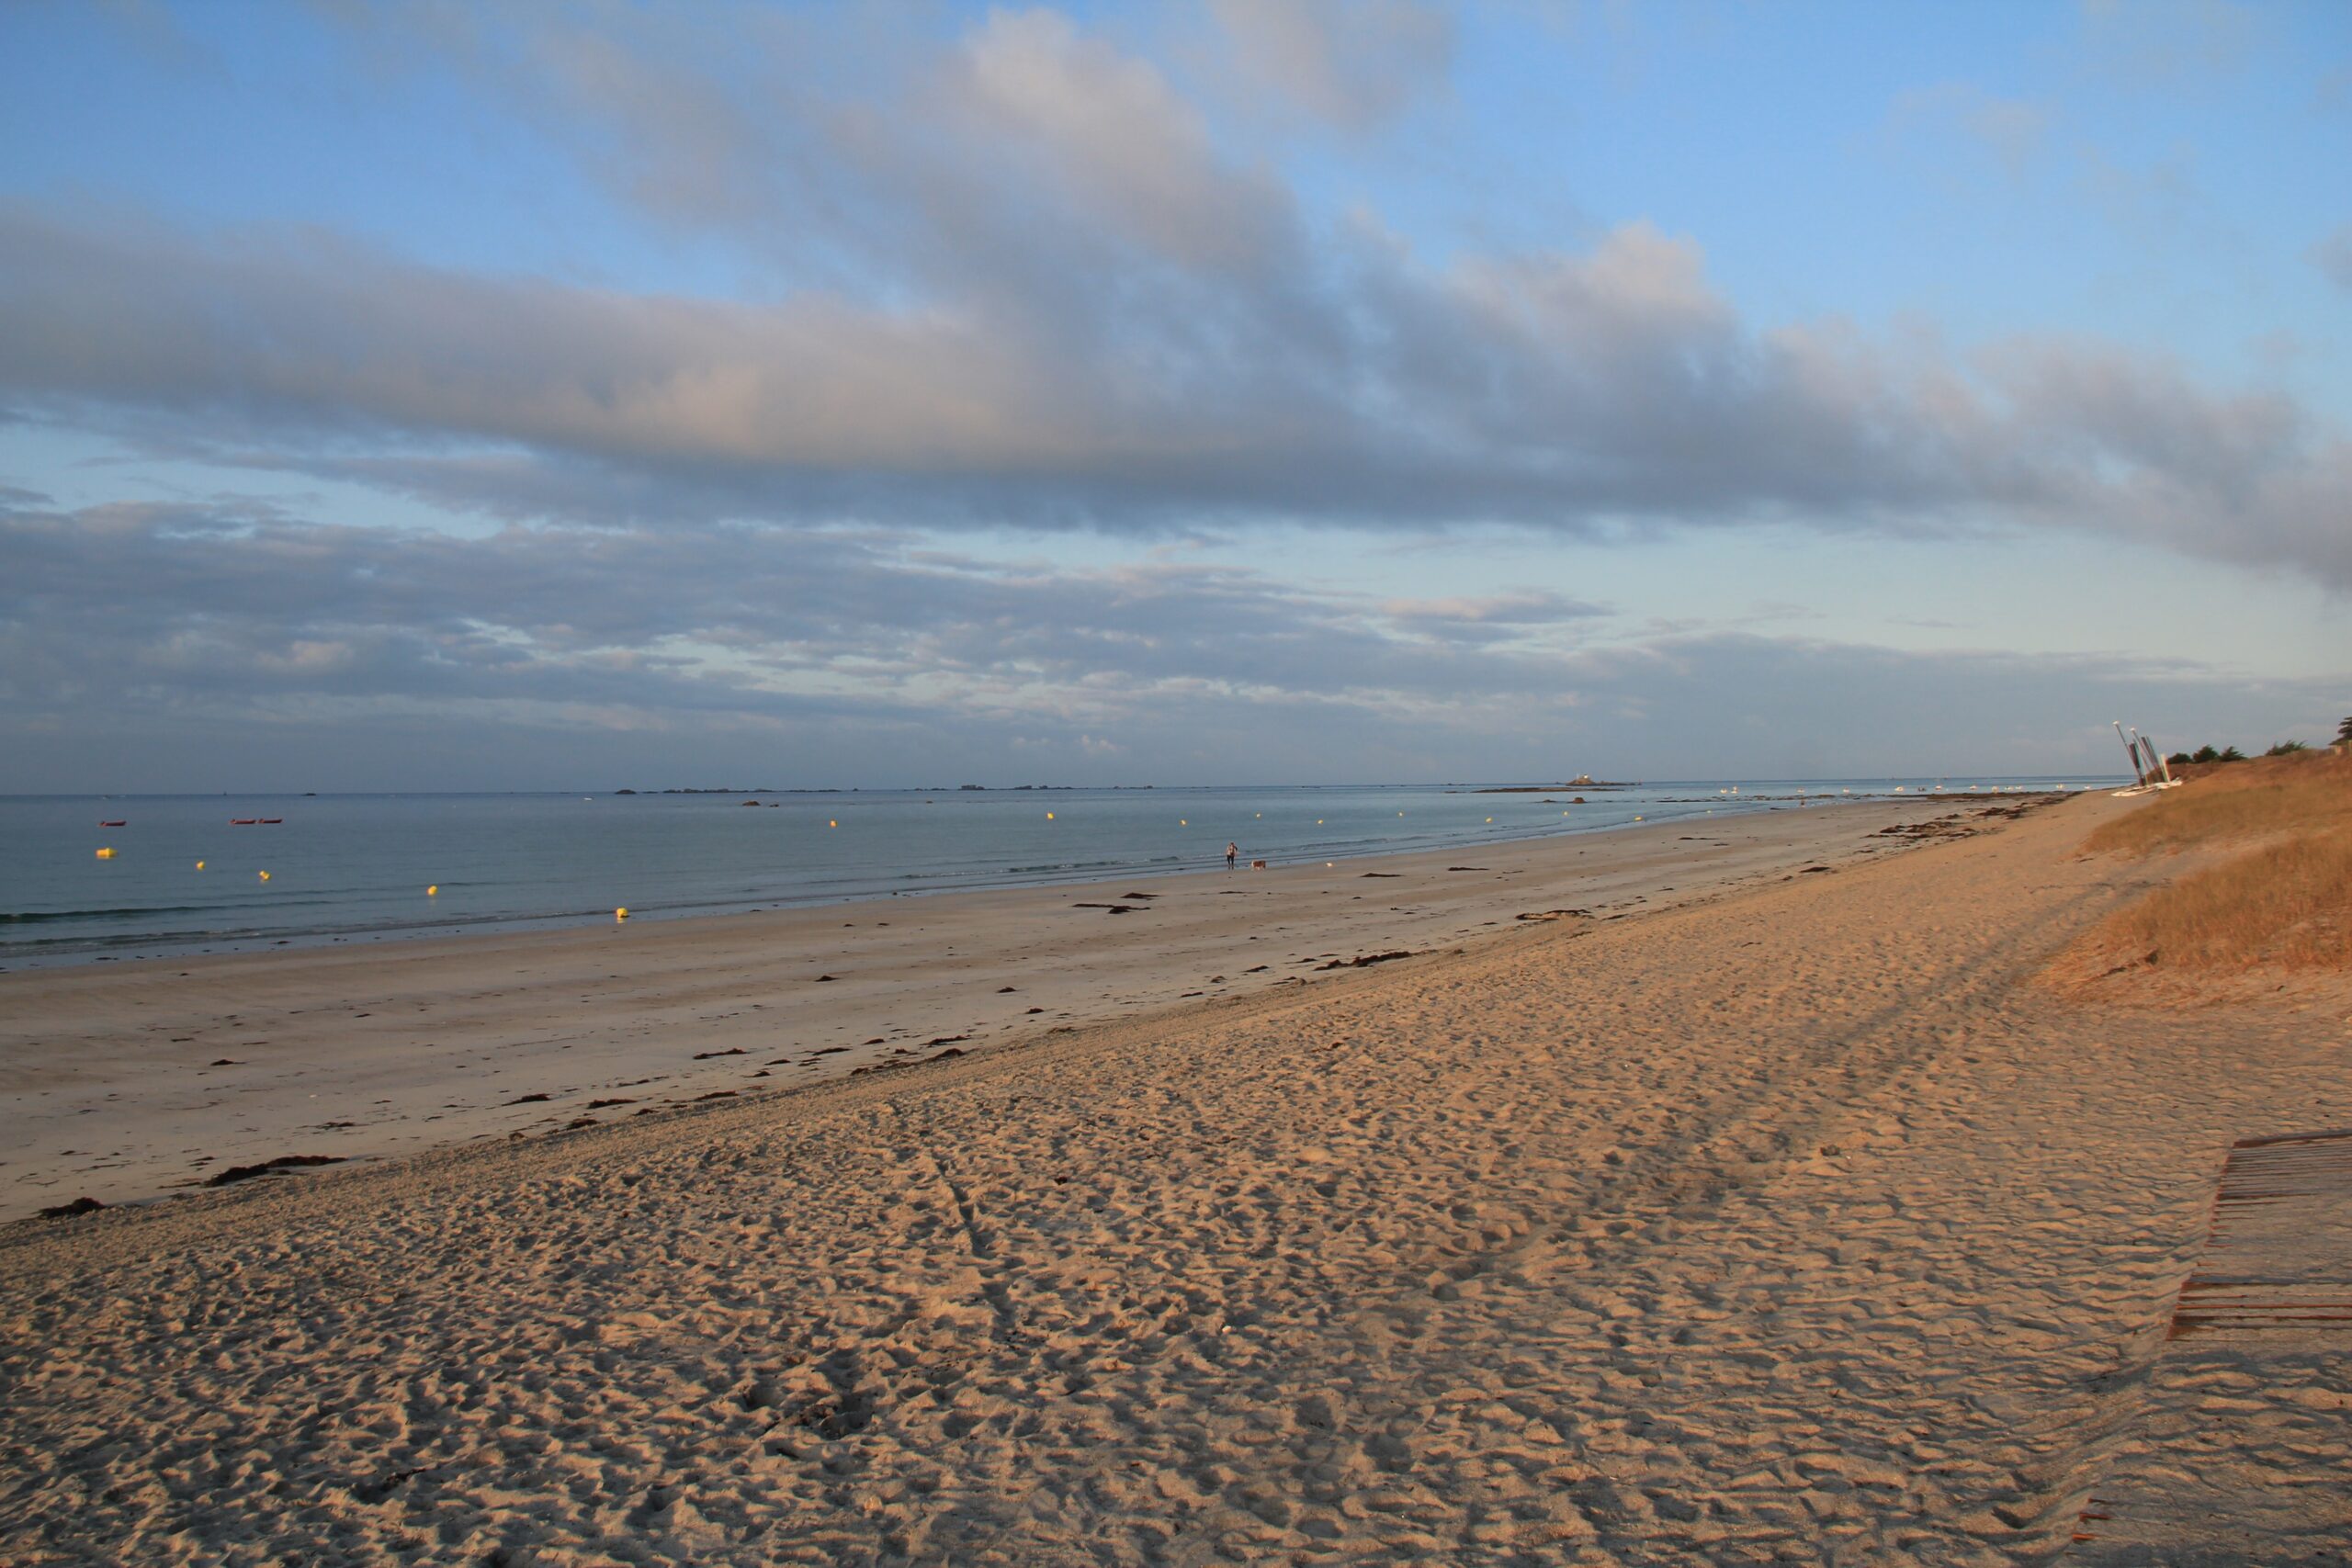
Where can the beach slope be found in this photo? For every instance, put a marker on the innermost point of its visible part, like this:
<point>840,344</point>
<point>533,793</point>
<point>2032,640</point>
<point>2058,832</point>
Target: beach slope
<point>1799,1224</point>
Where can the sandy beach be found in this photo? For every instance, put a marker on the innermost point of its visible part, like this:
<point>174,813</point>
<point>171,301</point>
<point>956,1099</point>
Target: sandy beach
<point>1787,1218</point>
<point>123,1081</point>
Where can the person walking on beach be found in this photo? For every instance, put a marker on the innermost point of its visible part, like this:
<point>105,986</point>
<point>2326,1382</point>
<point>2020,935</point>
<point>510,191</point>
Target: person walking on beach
<point>1232,854</point>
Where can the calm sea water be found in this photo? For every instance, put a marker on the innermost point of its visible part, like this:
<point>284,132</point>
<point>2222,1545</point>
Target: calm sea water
<point>356,868</point>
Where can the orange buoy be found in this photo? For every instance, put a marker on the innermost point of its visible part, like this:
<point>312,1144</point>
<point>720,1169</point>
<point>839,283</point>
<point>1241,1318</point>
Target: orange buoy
<point>106,855</point>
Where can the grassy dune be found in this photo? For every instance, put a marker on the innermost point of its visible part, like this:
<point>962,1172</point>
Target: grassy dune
<point>2283,898</point>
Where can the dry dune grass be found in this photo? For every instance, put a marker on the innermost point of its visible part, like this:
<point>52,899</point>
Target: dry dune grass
<point>2285,903</point>
<point>2299,793</point>
<point>2288,904</point>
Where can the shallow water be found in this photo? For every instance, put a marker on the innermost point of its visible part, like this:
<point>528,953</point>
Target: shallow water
<point>345,868</point>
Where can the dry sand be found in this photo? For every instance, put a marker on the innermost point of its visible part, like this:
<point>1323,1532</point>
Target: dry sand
<point>1796,1224</point>
<point>126,1080</point>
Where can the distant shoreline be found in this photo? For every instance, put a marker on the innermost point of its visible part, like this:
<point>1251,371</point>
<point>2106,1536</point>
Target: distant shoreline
<point>1929,781</point>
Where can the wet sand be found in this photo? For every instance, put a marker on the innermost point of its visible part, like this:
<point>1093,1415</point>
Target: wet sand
<point>1798,1224</point>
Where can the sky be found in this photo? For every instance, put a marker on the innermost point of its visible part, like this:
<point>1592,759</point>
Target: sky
<point>440,396</point>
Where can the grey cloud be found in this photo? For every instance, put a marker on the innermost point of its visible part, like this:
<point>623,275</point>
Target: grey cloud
<point>172,647</point>
<point>155,606</point>
<point>1351,63</point>
<point>2332,256</point>
<point>2165,45</point>
<point>1570,392</point>
<point>1487,618</point>
<point>1523,608</point>
<point>2011,129</point>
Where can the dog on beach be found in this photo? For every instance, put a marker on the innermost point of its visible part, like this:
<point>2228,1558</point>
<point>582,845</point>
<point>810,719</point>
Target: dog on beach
<point>1257,865</point>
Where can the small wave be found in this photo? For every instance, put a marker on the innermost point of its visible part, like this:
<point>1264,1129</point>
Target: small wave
<point>45,916</point>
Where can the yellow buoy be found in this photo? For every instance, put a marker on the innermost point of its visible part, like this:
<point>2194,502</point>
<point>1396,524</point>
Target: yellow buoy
<point>199,865</point>
<point>265,876</point>
<point>621,914</point>
<point>1489,818</point>
<point>1049,815</point>
<point>106,855</point>
<point>1181,822</point>
<point>1636,819</point>
<point>433,891</point>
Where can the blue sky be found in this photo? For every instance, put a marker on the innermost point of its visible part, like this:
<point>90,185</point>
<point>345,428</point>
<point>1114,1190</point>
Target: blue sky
<point>400,396</point>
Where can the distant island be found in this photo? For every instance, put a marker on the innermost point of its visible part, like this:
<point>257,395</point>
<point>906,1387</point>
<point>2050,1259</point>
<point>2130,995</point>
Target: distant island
<point>698,792</point>
<point>1582,781</point>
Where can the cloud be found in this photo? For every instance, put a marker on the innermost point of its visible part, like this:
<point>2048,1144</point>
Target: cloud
<point>195,646</point>
<point>1486,618</point>
<point>1132,154</point>
<point>2164,45</point>
<point>2332,256</point>
<point>1353,63</point>
<point>245,602</point>
<point>2012,130</point>
<point>1572,392</point>
<point>1013,277</point>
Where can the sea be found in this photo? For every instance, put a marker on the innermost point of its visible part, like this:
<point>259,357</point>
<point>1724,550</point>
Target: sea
<point>235,873</point>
